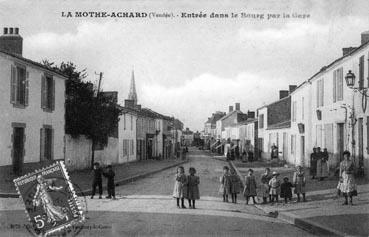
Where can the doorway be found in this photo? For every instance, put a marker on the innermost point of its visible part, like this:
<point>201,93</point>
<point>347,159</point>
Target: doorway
<point>285,146</point>
<point>18,149</point>
<point>340,142</point>
<point>360,141</point>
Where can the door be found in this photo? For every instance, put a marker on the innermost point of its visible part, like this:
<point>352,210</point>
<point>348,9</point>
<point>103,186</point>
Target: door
<point>18,149</point>
<point>285,146</point>
<point>360,141</point>
<point>302,151</point>
<point>340,142</point>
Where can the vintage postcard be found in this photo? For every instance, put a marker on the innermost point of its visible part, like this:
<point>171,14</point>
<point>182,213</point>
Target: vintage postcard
<point>184,118</point>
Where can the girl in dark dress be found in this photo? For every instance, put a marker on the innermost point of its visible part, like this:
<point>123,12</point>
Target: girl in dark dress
<point>193,182</point>
<point>286,190</point>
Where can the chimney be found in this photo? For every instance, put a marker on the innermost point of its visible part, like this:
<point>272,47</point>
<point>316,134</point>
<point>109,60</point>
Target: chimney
<point>365,37</point>
<point>138,107</point>
<point>11,41</point>
<point>292,88</point>
<point>237,106</point>
<point>129,104</point>
<point>283,94</point>
<point>230,108</point>
<point>348,50</point>
<point>250,114</point>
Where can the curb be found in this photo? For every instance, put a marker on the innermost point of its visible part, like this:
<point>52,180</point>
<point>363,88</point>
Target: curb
<point>117,183</point>
<point>293,219</point>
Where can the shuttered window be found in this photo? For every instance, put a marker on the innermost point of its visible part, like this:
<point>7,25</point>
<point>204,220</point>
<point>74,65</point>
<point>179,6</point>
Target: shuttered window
<point>361,72</point>
<point>338,85</point>
<point>19,86</point>
<point>47,93</point>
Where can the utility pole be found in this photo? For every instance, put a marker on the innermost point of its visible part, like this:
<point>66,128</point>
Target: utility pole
<point>96,105</point>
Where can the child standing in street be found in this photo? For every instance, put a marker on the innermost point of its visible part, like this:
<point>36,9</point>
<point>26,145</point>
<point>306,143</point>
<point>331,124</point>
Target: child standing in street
<point>274,185</point>
<point>97,180</point>
<point>193,188</point>
<point>250,187</point>
<point>286,190</point>
<point>225,184</point>
<point>235,185</point>
<point>111,185</point>
<point>180,186</point>
<point>265,178</point>
<point>299,183</point>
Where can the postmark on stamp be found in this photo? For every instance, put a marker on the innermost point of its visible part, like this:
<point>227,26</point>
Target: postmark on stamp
<point>50,200</point>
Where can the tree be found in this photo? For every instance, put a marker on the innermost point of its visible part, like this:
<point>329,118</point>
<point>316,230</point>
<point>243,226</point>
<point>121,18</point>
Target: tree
<point>87,112</point>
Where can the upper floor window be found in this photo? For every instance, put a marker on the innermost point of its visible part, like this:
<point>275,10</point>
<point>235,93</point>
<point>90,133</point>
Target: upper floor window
<point>131,122</point>
<point>19,86</point>
<point>320,93</point>
<point>338,85</point>
<point>124,121</point>
<point>261,121</point>
<point>361,72</point>
<point>47,93</point>
<point>294,108</point>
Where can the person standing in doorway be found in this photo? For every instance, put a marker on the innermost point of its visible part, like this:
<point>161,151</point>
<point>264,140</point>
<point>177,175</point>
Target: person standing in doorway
<point>313,163</point>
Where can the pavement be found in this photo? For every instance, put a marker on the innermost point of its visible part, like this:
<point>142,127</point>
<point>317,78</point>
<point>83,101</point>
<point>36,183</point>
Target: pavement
<point>124,173</point>
<point>323,214</point>
<point>145,207</point>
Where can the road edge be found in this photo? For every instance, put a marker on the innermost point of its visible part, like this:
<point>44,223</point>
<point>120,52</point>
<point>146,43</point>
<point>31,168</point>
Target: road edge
<point>117,183</point>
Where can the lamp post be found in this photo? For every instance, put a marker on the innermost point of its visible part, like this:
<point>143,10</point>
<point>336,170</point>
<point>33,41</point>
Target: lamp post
<point>350,82</point>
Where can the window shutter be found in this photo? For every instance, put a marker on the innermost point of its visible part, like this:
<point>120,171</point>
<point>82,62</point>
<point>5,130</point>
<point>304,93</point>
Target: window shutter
<point>12,150</point>
<point>317,93</point>
<point>52,144</point>
<point>43,92</point>
<point>334,86</point>
<point>13,84</point>
<point>24,145</point>
<point>26,89</point>
<point>53,96</point>
<point>42,144</point>
<point>340,83</point>
<point>322,93</point>
<point>361,72</point>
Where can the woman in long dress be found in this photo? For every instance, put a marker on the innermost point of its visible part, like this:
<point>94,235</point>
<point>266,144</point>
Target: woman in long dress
<point>322,165</point>
<point>265,178</point>
<point>347,180</point>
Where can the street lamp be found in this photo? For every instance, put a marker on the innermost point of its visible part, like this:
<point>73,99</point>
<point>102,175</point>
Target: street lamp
<point>350,82</point>
<point>350,79</point>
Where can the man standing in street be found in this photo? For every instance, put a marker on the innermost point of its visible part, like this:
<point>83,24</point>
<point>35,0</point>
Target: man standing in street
<point>313,163</point>
<point>97,180</point>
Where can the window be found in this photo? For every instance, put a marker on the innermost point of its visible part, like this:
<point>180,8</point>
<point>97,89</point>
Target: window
<point>293,144</point>
<point>132,147</point>
<point>47,93</point>
<point>294,108</point>
<point>125,147</point>
<point>131,122</point>
<point>320,93</point>
<point>302,108</point>
<point>261,121</point>
<point>124,121</point>
<point>19,86</point>
<point>338,85</point>
<point>361,72</point>
<point>46,143</point>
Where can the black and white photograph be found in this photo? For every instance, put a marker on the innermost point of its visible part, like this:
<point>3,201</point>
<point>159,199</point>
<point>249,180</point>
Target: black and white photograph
<point>184,118</point>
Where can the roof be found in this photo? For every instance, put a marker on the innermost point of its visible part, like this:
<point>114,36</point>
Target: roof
<point>39,65</point>
<point>284,124</point>
<point>233,112</point>
<point>329,66</point>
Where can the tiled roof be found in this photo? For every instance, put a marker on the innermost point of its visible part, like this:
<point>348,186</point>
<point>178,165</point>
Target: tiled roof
<point>285,124</point>
<point>33,63</point>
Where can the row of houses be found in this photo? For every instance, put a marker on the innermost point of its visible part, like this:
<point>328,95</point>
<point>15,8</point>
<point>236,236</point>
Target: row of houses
<point>32,128</point>
<point>328,110</point>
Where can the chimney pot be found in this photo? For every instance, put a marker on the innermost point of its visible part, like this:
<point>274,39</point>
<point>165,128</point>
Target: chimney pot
<point>230,108</point>
<point>11,30</point>
<point>347,50</point>
<point>16,30</point>
<point>5,30</point>
<point>283,94</point>
<point>365,37</point>
<point>237,106</point>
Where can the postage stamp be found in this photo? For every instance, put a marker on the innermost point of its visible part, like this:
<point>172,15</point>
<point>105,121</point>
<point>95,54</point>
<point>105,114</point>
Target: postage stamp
<point>50,200</point>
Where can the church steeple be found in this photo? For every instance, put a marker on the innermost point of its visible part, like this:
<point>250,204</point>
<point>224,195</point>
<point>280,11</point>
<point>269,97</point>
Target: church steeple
<point>132,89</point>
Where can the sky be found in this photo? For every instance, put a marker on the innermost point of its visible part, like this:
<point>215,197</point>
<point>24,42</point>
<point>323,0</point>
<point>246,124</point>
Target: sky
<point>191,67</point>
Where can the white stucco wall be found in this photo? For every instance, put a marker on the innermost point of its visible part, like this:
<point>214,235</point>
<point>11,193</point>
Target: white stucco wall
<point>33,115</point>
<point>129,133</point>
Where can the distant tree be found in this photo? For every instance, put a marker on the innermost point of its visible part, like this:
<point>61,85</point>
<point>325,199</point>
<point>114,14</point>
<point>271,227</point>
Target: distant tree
<point>86,111</point>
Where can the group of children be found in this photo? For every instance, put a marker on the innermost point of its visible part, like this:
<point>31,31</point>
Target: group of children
<point>271,186</point>
<point>97,174</point>
<point>186,186</point>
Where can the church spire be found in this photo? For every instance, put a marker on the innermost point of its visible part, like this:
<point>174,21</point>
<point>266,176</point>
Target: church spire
<point>132,90</point>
